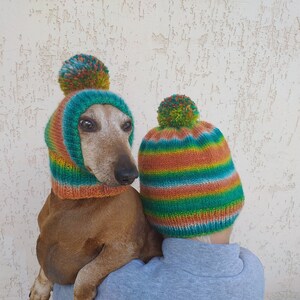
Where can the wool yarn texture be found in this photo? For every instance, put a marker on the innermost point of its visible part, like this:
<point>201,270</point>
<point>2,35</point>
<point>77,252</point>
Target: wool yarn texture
<point>85,81</point>
<point>188,182</point>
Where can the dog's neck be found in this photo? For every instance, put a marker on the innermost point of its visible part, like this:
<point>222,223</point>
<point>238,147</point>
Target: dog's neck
<point>72,183</point>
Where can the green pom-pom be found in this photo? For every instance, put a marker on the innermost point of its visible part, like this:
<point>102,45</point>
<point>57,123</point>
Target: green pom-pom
<point>83,72</point>
<point>177,111</point>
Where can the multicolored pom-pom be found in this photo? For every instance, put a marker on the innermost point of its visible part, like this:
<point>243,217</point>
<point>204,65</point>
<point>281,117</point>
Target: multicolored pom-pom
<point>177,111</point>
<point>83,72</point>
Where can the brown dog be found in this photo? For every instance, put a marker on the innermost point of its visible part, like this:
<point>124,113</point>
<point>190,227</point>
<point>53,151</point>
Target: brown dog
<point>82,241</point>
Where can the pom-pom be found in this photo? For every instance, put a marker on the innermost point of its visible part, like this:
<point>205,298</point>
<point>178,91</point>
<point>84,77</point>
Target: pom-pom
<point>177,111</point>
<point>83,72</point>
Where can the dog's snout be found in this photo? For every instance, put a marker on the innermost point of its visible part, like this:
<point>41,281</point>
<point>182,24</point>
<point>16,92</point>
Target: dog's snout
<point>125,171</point>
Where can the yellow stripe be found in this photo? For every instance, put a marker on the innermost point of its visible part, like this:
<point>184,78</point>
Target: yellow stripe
<point>58,160</point>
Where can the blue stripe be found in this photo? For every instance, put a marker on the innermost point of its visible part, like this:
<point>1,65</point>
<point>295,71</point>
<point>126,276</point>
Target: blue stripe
<point>175,180</point>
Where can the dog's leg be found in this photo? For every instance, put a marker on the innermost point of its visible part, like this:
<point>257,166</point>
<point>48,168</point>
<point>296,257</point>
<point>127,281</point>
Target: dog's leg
<point>41,288</point>
<point>92,274</point>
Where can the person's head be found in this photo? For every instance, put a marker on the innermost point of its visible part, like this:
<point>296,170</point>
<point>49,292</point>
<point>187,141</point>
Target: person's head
<point>189,185</point>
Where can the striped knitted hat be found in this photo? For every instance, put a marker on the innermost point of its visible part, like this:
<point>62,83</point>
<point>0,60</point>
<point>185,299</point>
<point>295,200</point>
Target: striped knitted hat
<point>84,79</point>
<point>189,185</point>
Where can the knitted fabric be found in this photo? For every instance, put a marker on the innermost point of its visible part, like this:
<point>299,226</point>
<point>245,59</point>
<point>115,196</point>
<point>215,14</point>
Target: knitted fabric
<point>70,178</point>
<point>81,72</point>
<point>189,185</point>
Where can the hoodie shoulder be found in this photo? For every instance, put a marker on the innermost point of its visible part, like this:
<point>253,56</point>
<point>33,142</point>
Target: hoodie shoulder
<point>249,257</point>
<point>253,274</point>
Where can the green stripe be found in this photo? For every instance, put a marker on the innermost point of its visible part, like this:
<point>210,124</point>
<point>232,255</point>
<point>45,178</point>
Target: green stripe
<point>213,138</point>
<point>193,197</point>
<point>71,176</point>
<point>175,176</point>
<point>166,216</point>
<point>163,208</point>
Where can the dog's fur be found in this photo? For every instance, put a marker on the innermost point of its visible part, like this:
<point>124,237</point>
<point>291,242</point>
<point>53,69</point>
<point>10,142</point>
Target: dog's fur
<point>82,241</point>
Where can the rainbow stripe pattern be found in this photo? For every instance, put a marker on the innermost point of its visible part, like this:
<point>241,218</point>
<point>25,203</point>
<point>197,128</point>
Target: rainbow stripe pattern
<point>70,178</point>
<point>84,80</point>
<point>83,71</point>
<point>189,185</point>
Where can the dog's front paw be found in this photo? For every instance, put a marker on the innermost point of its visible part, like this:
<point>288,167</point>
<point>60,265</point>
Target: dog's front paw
<point>39,293</point>
<point>85,293</point>
<point>41,289</point>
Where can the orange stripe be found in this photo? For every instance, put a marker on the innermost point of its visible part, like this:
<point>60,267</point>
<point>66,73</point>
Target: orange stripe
<point>96,191</point>
<point>156,134</point>
<point>198,218</point>
<point>178,160</point>
<point>190,190</point>
<point>56,133</point>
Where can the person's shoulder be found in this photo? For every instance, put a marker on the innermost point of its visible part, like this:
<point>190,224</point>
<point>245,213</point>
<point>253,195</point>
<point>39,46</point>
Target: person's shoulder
<point>130,269</point>
<point>250,259</point>
<point>135,277</point>
<point>121,283</point>
<point>252,274</point>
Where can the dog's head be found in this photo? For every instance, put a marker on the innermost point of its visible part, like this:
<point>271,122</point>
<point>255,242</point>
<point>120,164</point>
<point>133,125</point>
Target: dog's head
<point>90,133</point>
<point>104,134</point>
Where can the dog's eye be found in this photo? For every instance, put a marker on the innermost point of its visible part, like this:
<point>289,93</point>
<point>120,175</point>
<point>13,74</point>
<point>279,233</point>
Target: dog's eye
<point>87,125</point>
<point>127,126</point>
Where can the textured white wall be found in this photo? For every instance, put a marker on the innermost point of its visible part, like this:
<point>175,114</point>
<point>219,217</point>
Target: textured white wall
<point>238,60</point>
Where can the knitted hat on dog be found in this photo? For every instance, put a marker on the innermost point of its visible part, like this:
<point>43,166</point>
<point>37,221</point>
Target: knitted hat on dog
<point>84,80</point>
<point>189,185</point>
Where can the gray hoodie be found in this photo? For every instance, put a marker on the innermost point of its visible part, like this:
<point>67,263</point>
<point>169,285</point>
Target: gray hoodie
<point>188,270</point>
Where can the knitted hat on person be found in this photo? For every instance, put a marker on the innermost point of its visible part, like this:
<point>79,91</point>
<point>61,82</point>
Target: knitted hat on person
<point>84,80</point>
<point>189,185</point>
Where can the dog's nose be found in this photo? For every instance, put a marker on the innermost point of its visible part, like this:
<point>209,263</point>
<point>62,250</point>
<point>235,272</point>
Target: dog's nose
<point>125,171</point>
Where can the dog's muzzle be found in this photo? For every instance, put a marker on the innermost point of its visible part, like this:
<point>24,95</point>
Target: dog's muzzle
<point>125,171</point>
